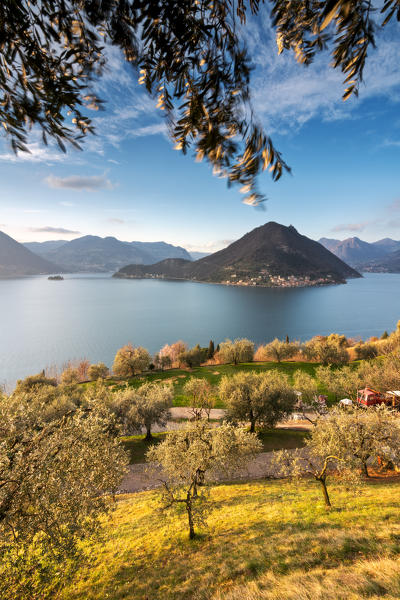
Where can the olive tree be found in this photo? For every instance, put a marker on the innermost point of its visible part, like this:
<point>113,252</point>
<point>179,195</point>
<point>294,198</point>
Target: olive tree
<point>129,360</point>
<point>150,404</point>
<point>190,457</point>
<point>279,350</point>
<point>98,371</point>
<point>70,376</point>
<point>239,351</point>
<point>199,392</point>
<point>341,443</point>
<point>366,435</point>
<point>328,351</point>
<point>56,476</point>
<point>258,398</point>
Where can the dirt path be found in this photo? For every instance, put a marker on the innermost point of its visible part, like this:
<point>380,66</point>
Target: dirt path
<point>139,478</point>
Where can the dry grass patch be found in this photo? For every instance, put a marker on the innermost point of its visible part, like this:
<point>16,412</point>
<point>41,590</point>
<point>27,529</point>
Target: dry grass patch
<point>259,534</point>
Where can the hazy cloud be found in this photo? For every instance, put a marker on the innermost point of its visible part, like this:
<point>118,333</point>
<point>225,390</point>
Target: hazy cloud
<point>80,183</point>
<point>208,246</point>
<point>351,226</point>
<point>48,229</point>
<point>116,221</point>
<point>153,129</point>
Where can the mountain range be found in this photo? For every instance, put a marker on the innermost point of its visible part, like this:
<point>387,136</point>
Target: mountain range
<point>367,256</point>
<point>16,260</point>
<point>268,255</point>
<point>96,254</point>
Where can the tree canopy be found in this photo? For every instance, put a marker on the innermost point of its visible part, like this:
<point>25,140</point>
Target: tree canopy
<point>190,56</point>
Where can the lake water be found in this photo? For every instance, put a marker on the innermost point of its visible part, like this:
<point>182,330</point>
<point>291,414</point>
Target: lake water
<point>46,323</point>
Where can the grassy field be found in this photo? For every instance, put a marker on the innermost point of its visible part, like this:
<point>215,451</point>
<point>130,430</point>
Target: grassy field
<point>213,374</point>
<point>272,439</point>
<point>264,541</point>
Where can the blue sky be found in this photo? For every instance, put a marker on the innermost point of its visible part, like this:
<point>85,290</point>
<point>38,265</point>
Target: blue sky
<point>130,183</point>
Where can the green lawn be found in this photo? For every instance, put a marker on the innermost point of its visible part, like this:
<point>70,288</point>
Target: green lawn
<point>272,439</point>
<point>213,374</point>
<point>264,541</point>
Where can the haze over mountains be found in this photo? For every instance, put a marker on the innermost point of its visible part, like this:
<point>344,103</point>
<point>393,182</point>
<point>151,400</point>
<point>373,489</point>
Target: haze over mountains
<point>379,256</point>
<point>16,260</point>
<point>260,257</point>
<point>91,253</point>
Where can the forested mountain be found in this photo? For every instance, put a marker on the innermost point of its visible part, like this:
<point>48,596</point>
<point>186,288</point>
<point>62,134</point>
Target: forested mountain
<point>16,260</point>
<point>259,257</point>
<point>93,253</point>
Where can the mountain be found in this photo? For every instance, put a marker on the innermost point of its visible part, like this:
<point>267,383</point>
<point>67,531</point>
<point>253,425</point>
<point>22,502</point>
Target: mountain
<point>16,260</point>
<point>390,263</point>
<point>388,245</point>
<point>268,255</point>
<point>41,248</point>
<point>359,254</point>
<point>353,250</point>
<point>93,253</point>
<point>329,243</point>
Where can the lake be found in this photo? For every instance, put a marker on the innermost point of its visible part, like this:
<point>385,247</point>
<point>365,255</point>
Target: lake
<point>45,323</point>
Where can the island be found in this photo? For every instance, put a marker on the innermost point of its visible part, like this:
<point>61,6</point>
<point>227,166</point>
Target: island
<point>55,278</point>
<point>272,255</point>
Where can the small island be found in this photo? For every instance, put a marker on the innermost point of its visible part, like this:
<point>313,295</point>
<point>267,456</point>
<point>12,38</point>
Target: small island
<point>55,278</point>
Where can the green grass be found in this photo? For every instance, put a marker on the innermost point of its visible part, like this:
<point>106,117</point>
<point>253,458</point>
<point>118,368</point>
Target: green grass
<point>264,541</point>
<point>272,439</point>
<point>213,374</point>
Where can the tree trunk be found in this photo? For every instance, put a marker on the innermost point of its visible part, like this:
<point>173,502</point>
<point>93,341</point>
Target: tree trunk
<point>365,468</point>
<point>148,433</point>
<point>190,520</point>
<point>325,492</point>
<point>252,425</point>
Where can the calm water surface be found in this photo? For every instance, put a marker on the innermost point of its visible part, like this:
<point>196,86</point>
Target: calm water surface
<point>44,323</point>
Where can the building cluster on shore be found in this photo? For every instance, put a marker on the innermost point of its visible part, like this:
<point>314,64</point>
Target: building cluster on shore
<point>289,281</point>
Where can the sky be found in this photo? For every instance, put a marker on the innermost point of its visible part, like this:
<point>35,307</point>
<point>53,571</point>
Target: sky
<point>130,183</point>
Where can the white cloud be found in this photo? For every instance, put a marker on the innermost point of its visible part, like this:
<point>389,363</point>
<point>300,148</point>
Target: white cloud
<point>286,94</point>
<point>58,230</point>
<point>153,129</point>
<point>36,154</point>
<point>80,183</point>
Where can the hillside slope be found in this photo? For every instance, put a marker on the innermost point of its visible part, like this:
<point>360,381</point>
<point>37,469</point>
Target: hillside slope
<point>259,257</point>
<point>16,260</point>
<point>93,253</point>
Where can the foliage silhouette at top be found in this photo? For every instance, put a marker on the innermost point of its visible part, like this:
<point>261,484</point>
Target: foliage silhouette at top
<point>189,55</point>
